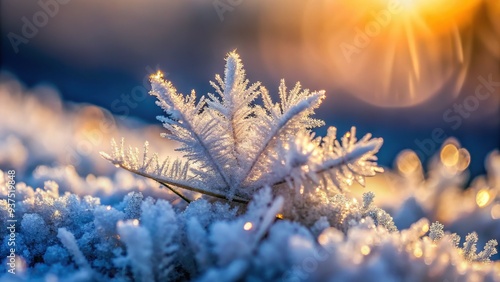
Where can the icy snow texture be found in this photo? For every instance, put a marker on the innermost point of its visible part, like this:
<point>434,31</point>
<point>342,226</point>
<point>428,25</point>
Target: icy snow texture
<point>78,238</point>
<point>346,239</point>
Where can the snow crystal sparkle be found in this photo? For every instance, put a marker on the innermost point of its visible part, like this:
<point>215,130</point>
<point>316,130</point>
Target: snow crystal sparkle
<point>238,146</point>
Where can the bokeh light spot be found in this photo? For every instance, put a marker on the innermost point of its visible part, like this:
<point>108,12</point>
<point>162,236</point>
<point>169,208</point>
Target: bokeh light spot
<point>482,198</point>
<point>408,162</point>
<point>495,211</point>
<point>248,226</point>
<point>417,252</point>
<point>449,155</point>
<point>463,159</point>
<point>365,250</point>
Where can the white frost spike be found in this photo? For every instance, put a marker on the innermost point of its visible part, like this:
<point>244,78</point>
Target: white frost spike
<point>139,249</point>
<point>69,242</point>
<point>241,238</point>
<point>263,210</point>
<point>234,146</point>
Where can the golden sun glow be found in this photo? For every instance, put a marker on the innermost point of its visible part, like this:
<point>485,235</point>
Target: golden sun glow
<point>424,16</point>
<point>416,44</point>
<point>391,53</point>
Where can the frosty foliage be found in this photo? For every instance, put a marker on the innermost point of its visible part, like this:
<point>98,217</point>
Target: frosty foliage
<point>118,227</point>
<point>233,146</point>
<point>79,239</point>
<point>436,232</point>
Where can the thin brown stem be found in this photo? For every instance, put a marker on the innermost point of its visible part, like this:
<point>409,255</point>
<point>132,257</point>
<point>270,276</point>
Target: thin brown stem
<point>183,186</point>
<point>175,191</point>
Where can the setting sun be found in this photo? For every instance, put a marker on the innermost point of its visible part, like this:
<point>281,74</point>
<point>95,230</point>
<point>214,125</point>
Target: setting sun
<point>401,38</point>
<point>390,53</point>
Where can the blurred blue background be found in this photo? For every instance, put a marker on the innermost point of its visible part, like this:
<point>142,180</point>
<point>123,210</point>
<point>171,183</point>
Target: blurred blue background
<point>101,52</point>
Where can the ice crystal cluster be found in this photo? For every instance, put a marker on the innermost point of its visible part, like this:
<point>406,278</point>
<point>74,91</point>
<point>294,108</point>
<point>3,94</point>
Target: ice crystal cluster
<point>234,146</point>
<point>255,197</point>
<point>144,239</point>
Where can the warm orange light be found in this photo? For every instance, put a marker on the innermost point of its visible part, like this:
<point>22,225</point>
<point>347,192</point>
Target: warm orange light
<point>323,238</point>
<point>248,226</point>
<point>436,15</point>
<point>463,159</point>
<point>462,267</point>
<point>482,198</point>
<point>365,250</point>
<point>390,53</point>
<point>425,228</point>
<point>157,76</point>
<point>408,162</point>
<point>449,155</point>
<point>417,252</point>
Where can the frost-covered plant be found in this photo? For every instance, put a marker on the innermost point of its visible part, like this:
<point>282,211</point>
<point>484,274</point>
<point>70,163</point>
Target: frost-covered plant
<point>139,238</point>
<point>234,146</point>
<point>468,251</point>
<point>436,231</point>
<point>87,228</point>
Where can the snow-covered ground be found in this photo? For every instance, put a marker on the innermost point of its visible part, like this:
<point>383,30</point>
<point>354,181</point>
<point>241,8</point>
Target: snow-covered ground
<point>78,218</point>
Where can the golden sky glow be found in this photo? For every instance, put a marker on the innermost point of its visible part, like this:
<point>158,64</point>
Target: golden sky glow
<point>389,53</point>
<point>399,52</point>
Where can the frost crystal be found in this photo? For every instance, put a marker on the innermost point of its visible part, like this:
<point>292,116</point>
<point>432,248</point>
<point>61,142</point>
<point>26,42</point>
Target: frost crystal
<point>234,145</point>
<point>68,240</point>
<point>436,231</point>
<point>489,250</point>
<point>470,246</point>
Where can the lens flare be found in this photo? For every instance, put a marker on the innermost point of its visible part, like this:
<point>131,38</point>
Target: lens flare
<point>489,32</point>
<point>396,53</point>
<point>390,53</point>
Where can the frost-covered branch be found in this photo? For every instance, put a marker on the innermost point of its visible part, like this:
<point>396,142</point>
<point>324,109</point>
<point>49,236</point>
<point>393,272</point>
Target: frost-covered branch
<point>169,174</point>
<point>234,146</point>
